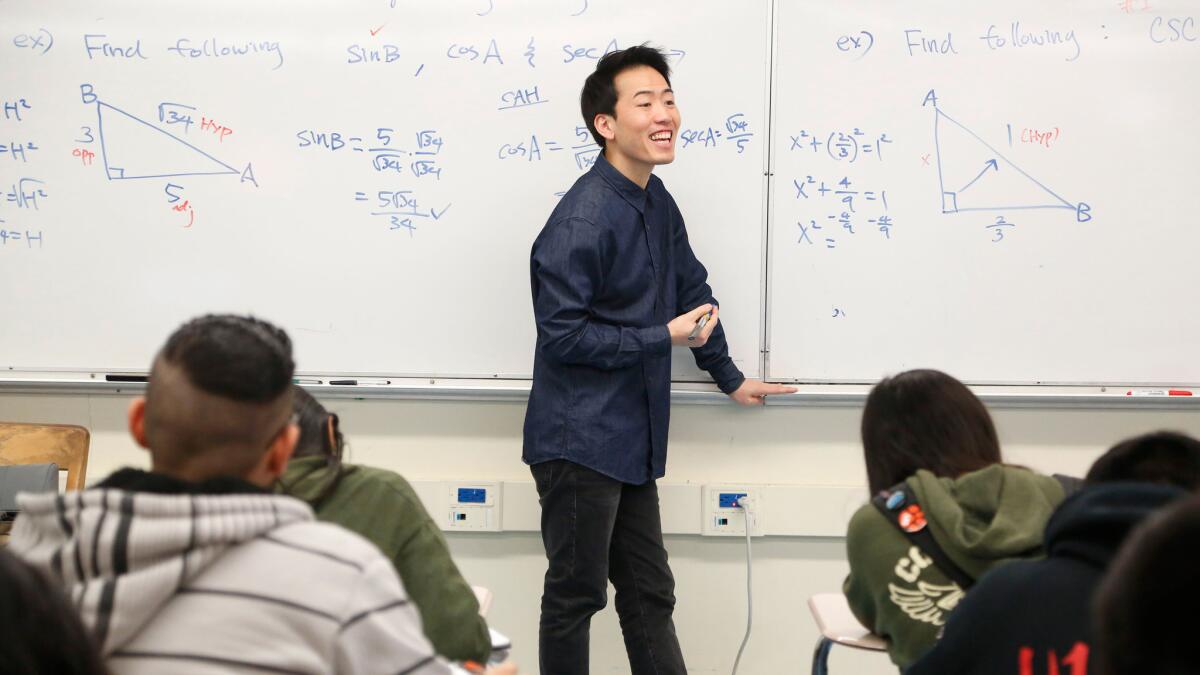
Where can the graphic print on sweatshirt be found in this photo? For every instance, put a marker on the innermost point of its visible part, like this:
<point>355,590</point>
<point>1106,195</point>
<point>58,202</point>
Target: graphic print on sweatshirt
<point>921,600</point>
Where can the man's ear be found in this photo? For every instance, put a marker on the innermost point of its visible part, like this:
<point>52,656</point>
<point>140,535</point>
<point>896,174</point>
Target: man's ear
<point>604,124</point>
<point>137,420</point>
<point>280,451</point>
<point>331,428</point>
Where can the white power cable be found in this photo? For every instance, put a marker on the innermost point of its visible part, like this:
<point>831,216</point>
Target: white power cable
<point>743,503</point>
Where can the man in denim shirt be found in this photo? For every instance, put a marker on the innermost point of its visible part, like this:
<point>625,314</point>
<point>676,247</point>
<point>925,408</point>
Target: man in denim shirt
<point>615,285</point>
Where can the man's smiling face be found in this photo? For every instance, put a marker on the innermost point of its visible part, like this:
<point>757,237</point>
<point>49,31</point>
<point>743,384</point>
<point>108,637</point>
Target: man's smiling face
<point>641,135</point>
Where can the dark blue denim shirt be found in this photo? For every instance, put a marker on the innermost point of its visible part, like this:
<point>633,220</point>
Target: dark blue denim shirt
<point>609,270</point>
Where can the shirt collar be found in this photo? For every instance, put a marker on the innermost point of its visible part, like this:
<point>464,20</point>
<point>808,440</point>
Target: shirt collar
<point>629,190</point>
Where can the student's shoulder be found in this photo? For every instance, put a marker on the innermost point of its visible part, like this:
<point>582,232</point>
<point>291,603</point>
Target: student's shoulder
<point>324,542</point>
<point>1061,578</point>
<point>870,533</point>
<point>867,520</point>
<point>380,482</point>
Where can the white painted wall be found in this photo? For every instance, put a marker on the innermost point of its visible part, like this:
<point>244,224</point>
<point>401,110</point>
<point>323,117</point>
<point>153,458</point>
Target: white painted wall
<point>428,440</point>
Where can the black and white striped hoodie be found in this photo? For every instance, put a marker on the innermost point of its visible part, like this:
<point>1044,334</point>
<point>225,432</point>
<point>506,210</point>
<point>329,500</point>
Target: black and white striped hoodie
<point>221,577</point>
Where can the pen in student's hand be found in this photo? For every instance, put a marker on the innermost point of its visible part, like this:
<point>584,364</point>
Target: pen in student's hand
<point>699,326</point>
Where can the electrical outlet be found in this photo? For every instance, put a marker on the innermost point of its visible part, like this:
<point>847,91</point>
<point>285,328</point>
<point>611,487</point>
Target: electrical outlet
<point>723,517</point>
<point>473,507</point>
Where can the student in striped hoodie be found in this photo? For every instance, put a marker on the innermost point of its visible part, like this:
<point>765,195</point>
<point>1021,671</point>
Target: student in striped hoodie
<point>195,566</point>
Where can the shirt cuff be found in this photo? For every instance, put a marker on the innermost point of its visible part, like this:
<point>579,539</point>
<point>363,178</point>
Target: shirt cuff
<point>727,376</point>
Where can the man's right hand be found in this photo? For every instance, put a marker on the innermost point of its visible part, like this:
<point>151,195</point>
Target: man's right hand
<point>681,326</point>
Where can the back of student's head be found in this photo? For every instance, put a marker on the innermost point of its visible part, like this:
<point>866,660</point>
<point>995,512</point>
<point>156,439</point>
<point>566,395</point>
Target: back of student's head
<point>1145,604</point>
<point>1161,457</point>
<point>220,392</point>
<point>40,631</point>
<point>599,95</point>
<point>925,419</point>
<point>320,435</point>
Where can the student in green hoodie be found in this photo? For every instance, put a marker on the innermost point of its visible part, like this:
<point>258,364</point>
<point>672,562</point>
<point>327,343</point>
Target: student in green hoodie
<point>381,506</point>
<point>929,441</point>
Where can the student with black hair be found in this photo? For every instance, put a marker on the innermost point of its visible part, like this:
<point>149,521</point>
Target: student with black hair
<point>381,506</point>
<point>195,566</point>
<point>1146,602</point>
<point>615,284</point>
<point>945,508</point>
<point>1034,616</point>
<point>40,631</point>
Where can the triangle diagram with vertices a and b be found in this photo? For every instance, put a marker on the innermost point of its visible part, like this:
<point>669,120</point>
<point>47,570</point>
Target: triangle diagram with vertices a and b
<point>975,177</point>
<point>134,148</point>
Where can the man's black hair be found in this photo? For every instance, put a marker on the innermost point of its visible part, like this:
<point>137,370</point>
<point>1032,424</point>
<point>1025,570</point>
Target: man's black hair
<point>235,357</point>
<point>219,391</point>
<point>599,95</point>
<point>1164,457</point>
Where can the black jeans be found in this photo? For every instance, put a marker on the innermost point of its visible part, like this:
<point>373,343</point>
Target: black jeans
<point>596,528</point>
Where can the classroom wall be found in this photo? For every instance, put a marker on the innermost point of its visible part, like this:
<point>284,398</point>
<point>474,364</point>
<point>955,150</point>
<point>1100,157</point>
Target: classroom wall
<point>431,440</point>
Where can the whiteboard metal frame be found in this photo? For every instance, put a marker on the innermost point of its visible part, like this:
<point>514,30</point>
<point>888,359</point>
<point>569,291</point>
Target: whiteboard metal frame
<point>764,335</point>
<point>811,395</point>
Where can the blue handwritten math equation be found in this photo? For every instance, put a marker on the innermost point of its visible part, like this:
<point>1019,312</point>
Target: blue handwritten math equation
<point>999,227</point>
<point>583,148</point>
<point>841,145</point>
<point>17,150</point>
<point>400,208</point>
<point>13,109</point>
<point>183,115</point>
<point>27,236</point>
<point>849,209</point>
<point>26,193</point>
<point>735,130</point>
<point>387,150</point>
<point>489,52</point>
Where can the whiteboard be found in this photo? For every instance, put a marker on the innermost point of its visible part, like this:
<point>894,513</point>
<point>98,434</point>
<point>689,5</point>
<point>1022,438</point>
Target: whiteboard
<point>1034,225</point>
<point>368,175</point>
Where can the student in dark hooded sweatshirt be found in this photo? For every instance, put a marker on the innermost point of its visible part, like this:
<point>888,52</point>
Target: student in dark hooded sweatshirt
<point>1145,603</point>
<point>1034,617</point>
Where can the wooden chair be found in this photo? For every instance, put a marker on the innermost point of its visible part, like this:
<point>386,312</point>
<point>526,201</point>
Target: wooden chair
<point>838,625</point>
<point>63,444</point>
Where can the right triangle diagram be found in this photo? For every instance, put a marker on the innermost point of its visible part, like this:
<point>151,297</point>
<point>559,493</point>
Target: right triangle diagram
<point>975,177</point>
<point>134,148</point>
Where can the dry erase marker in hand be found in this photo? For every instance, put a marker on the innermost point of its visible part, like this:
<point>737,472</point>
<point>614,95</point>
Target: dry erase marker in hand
<point>699,326</point>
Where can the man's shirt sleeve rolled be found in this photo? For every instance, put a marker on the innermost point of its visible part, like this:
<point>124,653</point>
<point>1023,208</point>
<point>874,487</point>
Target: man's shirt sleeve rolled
<point>568,267</point>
